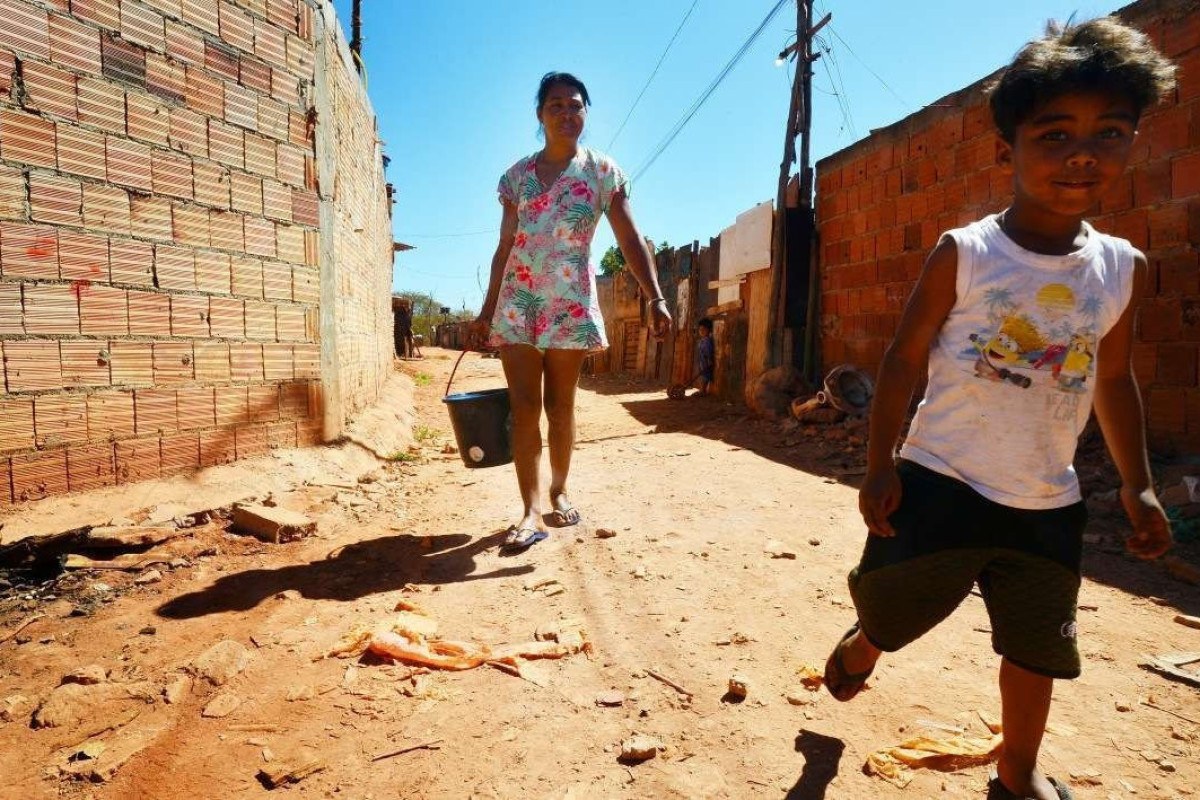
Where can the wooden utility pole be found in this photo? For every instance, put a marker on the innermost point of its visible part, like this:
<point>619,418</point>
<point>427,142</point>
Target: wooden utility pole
<point>799,123</point>
<point>356,33</point>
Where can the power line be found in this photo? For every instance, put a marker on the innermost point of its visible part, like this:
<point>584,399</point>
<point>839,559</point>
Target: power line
<point>653,73</point>
<point>446,235</point>
<point>838,87</point>
<point>868,68</point>
<point>712,87</point>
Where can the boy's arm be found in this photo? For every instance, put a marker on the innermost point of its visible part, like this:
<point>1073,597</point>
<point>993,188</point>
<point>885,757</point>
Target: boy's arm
<point>903,363</point>
<point>1118,406</point>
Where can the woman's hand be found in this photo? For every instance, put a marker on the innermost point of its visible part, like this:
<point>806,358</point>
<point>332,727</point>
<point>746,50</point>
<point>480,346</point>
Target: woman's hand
<point>479,330</point>
<point>660,320</point>
<point>1151,529</point>
<point>878,498</point>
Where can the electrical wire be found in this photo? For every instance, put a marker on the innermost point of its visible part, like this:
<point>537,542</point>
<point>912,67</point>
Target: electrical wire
<point>447,235</point>
<point>712,87</point>
<point>874,74</point>
<point>838,86</point>
<point>652,74</point>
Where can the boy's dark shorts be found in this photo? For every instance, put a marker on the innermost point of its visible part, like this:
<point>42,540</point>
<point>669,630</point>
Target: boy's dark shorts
<point>948,538</point>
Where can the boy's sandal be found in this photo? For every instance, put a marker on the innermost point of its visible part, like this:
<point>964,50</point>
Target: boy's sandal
<point>842,685</point>
<point>518,539</point>
<point>998,791</point>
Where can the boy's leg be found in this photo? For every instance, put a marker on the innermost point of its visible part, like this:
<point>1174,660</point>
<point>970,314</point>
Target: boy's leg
<point>1025,706</point>
<point>1032,590</point>
<point>906,584</point>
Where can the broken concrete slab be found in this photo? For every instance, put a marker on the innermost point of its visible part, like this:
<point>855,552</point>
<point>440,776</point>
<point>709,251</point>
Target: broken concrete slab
<point>128,536</point>
<point>272,524</point>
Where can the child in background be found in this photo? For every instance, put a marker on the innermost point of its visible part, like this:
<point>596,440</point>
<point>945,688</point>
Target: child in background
<point>1025,318</point>
<point>706,357</point>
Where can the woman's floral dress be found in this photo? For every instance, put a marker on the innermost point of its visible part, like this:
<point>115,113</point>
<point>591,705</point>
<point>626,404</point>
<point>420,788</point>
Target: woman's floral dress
<point>548,294</point>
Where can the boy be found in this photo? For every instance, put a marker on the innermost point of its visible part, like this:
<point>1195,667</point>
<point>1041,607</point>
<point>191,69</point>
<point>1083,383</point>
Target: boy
<point>706,357</point>
<point>1022,318</point>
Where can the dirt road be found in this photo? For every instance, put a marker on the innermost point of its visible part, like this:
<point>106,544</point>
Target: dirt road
<point>693,491</point>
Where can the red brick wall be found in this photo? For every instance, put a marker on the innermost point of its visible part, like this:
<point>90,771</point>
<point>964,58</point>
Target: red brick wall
<point>883,202</point>
<point>159,272</point>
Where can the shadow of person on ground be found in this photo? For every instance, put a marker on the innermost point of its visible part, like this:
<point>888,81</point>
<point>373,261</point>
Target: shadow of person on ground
<point>822,755</point>
<point>349,573</point>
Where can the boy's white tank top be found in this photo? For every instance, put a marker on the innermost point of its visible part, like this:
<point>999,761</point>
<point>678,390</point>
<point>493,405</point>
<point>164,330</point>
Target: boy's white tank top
<point>1012,372</point>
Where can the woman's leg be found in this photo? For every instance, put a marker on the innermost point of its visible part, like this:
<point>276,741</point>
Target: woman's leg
<point>523,367</point>
<point>562,369</point>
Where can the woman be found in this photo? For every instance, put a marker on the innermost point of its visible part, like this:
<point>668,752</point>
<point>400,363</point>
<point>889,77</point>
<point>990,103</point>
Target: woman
<point>541,309</point>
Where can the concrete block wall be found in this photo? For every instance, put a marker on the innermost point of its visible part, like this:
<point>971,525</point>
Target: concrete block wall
<point>883,202</point>
<point>159,238</point>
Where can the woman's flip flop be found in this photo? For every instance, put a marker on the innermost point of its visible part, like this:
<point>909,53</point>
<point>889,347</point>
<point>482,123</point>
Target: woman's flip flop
<point>518,539</point>
<point>998,791</point>
<point>842,685</point>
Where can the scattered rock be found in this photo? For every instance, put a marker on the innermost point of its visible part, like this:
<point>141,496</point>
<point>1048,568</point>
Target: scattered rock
<point>610,699</point>
<point>1181,570</point>
<point>777,549</point>
<point>289,594</point>
<point>639,571</point>
<point>291,770</point>
<point>605,533</point>
<point>86,676</point>
<point>221,662</point>
<point>176,688</point>
<point>739,687</point>
<point>101,706</point>
<point>449,449</point>
<point>148,630</point>
<point>14,706</point>
<point>640,747</point>
<point>179,563</point>
<point>221,706</point>
<point>800,696</point>
<point>272,524</point>
<point>147,577</point>
<point>300,692</point>
<point>1124,706</point>
<point>815,542</point>
<point>812,678</point>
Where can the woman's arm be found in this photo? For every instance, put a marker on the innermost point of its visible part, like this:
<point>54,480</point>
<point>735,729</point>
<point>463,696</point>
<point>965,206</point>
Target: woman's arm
<point>508,230</point>
<point>638,260</point>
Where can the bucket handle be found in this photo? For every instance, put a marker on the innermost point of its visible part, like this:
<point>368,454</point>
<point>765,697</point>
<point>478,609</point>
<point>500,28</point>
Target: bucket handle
<point>456,363</point>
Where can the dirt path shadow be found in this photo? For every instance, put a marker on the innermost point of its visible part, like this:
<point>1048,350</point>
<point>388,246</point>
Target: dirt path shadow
<point>356,570</point>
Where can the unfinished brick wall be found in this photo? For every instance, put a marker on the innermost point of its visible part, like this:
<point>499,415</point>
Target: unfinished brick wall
<point>362,236</point>
<point>883,202</point>
<point>159,238</point>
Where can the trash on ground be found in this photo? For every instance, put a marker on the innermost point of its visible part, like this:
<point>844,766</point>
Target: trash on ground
<point>895,764</point>
<point>1171,666</point>
<point>412,638</point>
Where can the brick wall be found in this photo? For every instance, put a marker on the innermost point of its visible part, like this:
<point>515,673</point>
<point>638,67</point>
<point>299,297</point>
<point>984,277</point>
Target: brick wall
<point>362,236</point>
<point>883,202</point>
<point>160,262</point>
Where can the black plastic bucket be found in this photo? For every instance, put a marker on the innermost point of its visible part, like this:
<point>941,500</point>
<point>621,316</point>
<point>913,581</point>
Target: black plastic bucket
<point>482,423</point>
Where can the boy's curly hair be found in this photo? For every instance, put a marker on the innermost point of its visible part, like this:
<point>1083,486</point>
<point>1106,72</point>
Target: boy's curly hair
<point>1099,55</point>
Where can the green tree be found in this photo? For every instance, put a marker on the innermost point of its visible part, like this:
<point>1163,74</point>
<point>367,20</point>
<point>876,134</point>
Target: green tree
<point>612,262</point>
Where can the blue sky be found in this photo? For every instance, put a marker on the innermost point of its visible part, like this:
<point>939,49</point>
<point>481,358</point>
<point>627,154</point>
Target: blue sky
<point>453,85</point>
